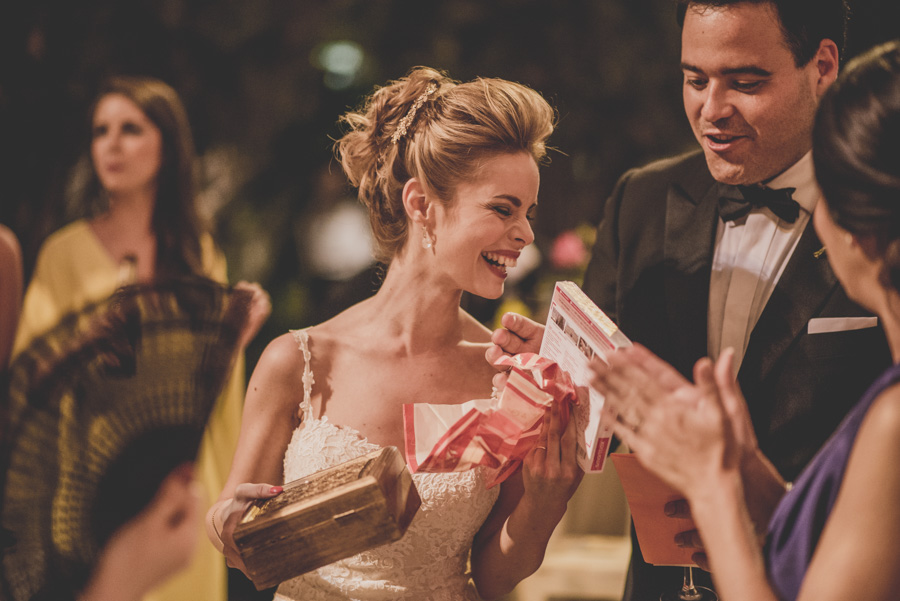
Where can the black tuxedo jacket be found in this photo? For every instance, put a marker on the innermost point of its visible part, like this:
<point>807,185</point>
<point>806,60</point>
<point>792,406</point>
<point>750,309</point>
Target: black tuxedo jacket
<point>650,272</point>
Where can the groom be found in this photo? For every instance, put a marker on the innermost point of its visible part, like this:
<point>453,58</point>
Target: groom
<point>689,264</point>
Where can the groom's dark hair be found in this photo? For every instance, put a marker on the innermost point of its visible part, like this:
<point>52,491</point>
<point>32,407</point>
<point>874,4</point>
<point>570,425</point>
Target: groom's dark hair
<point>804,23</point>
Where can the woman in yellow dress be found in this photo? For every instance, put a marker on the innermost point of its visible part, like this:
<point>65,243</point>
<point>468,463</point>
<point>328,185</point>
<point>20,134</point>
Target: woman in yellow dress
<point>143,171</point>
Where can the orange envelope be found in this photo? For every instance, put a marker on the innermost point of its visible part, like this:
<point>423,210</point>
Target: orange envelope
<point>647,497</point>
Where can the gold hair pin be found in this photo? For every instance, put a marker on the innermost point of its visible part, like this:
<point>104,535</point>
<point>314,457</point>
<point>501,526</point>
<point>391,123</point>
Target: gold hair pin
<point>408,119</point>
<point>819,252</point>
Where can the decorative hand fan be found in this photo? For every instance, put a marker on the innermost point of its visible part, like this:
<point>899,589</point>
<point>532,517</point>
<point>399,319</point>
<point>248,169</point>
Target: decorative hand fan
<point>100,410</point>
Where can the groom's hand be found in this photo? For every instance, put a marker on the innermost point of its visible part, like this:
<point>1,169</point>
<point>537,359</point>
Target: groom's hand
<point>689,538</point>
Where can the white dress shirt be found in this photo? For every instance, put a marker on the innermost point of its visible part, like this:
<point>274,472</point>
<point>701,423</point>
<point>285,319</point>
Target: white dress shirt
<point>750,256</point>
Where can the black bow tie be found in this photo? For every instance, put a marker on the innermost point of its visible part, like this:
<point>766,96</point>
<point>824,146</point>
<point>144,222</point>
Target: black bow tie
<point>737,201</point>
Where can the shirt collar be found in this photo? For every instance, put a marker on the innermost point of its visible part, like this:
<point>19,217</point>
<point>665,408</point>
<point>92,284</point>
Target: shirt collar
<point>800,176</point>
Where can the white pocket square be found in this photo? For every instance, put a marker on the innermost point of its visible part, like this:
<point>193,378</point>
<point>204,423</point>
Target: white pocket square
<point>823,325</point>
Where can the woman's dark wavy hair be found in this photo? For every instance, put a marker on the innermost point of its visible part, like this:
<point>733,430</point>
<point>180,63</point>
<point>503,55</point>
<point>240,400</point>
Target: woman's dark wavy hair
<point>856,150</point>
<point>175,219</point>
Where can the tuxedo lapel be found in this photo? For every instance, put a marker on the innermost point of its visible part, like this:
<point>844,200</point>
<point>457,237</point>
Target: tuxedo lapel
<point>802,290</point>
<point>688,248</point>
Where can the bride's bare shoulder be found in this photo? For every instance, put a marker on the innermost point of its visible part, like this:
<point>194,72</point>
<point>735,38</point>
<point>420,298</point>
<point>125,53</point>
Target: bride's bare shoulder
<point>356,327</point>
<point>281,355</point>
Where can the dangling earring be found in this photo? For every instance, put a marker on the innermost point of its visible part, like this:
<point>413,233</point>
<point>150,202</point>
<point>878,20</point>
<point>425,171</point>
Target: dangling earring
<point>427,241</point>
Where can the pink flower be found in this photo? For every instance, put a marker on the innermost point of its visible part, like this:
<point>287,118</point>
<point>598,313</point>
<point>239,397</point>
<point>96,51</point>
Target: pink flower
<point>568,251</point>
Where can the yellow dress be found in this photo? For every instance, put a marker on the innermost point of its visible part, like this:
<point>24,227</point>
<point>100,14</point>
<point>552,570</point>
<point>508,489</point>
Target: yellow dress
<point>73,269</point>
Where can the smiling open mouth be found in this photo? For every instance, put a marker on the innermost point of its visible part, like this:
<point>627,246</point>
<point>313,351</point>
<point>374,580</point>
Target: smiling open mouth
<point>722,139</point>
<point>499,261</point>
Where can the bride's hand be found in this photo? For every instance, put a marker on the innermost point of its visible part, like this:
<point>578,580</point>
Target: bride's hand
<point>551,472</point>
<point>517,334</point>
<point>231,514</point>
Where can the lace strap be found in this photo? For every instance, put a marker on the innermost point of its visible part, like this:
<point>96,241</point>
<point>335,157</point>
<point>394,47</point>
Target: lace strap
<point>302,338</point>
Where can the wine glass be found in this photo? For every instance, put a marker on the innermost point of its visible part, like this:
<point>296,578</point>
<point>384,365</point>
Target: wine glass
<point>689,592</point>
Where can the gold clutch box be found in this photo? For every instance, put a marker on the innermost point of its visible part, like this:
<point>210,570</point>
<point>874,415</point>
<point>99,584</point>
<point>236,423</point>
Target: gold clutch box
<point>327,516</point>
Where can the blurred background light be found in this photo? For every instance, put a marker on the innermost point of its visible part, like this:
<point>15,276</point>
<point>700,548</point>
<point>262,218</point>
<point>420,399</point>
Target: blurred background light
<point>341,60</point>
<point>339,241</point>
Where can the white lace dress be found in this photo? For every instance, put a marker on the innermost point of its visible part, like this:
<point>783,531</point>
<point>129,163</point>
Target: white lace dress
<point>429,562</point>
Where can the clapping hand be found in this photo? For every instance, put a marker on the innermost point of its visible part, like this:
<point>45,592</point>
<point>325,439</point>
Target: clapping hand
<point>682,432</point>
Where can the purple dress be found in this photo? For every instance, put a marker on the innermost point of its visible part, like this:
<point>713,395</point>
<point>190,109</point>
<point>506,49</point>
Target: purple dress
<point>800,517</point>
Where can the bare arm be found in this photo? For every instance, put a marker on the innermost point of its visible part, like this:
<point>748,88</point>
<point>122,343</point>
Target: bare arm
<point>762,484</point>
<point>510,545</point>
<point>856,557</point>
<point>269,418</point>
<point>762,487</point>
<point>686,434</point>
<point>691,444</point>
<point>732,545</point>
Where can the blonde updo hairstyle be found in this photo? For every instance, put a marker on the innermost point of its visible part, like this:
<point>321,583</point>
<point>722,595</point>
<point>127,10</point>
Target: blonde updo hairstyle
<point>453,131</point>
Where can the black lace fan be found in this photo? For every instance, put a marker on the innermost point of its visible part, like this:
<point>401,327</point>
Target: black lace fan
<point>99,411</point>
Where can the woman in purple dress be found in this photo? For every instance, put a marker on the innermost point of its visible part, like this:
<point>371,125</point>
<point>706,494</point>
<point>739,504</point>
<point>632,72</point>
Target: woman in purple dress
<point>833,533</point>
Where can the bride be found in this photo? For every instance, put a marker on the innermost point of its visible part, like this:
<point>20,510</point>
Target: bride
<point>449,174</point>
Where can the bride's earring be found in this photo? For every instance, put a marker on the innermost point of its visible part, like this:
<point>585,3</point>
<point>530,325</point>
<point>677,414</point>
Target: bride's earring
<point>427,240</point>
